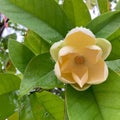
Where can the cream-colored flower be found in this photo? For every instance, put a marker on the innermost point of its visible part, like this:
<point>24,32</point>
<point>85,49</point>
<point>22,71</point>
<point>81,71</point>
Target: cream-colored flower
<point>80,58</point>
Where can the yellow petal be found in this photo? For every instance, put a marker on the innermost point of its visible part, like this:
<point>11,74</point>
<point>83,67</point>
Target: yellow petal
<point>66,78</point>
<point>77,87</point>
<point>98,72</point>
<point>79,40</point>
<point>92,54</point>
<point>81,79</point>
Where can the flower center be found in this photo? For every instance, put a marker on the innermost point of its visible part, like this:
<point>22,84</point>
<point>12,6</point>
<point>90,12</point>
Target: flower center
<point>79,59</point>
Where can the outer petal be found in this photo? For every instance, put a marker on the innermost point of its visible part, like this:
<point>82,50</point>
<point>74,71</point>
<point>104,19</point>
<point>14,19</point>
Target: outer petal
<point>92,54</point>
<point>77,87</point>
<point>55,49</point>
<point>105,46</point>
<point>66,78</point>
<point>98,72</point>
<point>79,39</point>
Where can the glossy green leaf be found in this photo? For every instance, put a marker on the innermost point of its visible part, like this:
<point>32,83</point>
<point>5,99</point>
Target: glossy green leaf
<point>77,12</point>
<point>8,105</point>
<point>39,73</point>
<point>35,43</point>
<point>114,65</point>
<point>103,6</point>
<point>100,102</point>
<point>49,22</point>
<point>19,54</point>
<point>106,24</point>
<point>46,106</point>
<point>115,41</point>
<point>8,83</point>
<point>42,106</point>
<point>14,116</point>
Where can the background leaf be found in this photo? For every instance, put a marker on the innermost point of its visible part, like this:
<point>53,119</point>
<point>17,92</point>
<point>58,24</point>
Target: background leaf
<point>42,106</point>
<point>29,20</point>
<point>100,102</point>
<point>39,73</point>
<point>106,24</point>
<point>8,83</point>
<point>8,104</point>
<point>19,54</point>
<point>35,43</point>
<point>77,12</point>
<point>103,6</point>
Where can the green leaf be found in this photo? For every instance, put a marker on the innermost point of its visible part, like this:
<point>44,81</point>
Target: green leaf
<point>8,104</point>
<point>42,106</point>
<point>46,106</point>
<point>105,25</point>
<point>50,22</point>
<point>114,65</point>
<point>103,6</point>
<point>19,54</point>
<point>115,41</point>
<point>77,12</point>
<point>35,43</point>
<point>118,6</point>
<point>14,116</point>
<point>39,73</point>
<point>8,83</point>
<point>100,102</point>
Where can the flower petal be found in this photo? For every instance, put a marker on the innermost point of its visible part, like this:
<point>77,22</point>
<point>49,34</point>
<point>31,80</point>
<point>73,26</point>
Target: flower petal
<point>98,73</point>
<point>77,87</point>
<point>66,78</point>
<point>79,39</point>
<point>80,78</point>
<point>55,49</point>
<point>105,46</point>
<point>92,54</point>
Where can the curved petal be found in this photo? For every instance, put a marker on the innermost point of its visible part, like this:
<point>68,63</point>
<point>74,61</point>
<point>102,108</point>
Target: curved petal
<point>98,73</point>
<point>79,40</point>
<point>55,49</point>
<point>105,46</point>
<point>81,77</point>
<point>92,54</point>
<point>66,78</point>
<point>77,87</point>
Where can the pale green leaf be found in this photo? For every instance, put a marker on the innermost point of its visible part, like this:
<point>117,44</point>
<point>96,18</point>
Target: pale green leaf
<point>35,43</point>
<point>19,54</point>
<point>77,12</point>
<point>103,6</point>
<point>100,102</point>
<point>39,73</point>
<point>8,83</point>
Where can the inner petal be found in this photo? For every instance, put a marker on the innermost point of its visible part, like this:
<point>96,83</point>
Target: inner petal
<point>79,40</point>
<point>92,54</point>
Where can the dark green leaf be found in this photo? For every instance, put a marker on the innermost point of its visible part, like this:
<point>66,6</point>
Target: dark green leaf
<point>8,104</point>
<point>35,43</point>
<point>8,83</point>
<point>39,73</point>
<point>106,24</point>
<point>77,12</point>
<point>100,102</point>
<point>19,54</point>
<point>103,6</point>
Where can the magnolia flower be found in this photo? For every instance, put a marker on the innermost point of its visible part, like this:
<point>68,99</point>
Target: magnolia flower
<point>80,58</point>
